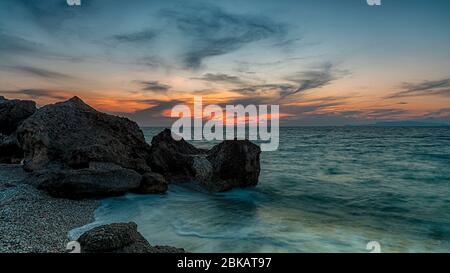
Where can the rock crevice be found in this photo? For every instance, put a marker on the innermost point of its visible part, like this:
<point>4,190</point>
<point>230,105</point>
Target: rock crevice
<point>230,164</point>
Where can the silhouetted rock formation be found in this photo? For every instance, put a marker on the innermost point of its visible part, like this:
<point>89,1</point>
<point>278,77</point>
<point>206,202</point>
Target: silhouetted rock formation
<point>119,238</point>
<point>74,151</point>
<point>13,112</point>
<point>73,134</point>
<point>233,163</point>
<point>10,151</point>
<point>173,159</point>
<point>100,179</point>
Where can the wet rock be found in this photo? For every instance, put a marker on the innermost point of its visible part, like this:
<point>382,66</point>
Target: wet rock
<point>172,158</point>
<point>13,113</point>
<point>100,180</point>
<point>10,151</point>
<point>152,183</point>
<point>235,163</point>
<point>119,238</point>
<point>72,134</point>
<point>230,164</point>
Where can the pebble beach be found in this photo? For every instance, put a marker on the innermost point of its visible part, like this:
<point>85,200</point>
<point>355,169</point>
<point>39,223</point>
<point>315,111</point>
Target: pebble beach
<point>31,220</point>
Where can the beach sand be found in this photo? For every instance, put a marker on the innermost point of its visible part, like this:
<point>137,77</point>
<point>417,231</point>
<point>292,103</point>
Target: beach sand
<point>31,220</point>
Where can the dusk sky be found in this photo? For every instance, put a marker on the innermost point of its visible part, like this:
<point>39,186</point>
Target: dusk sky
<point>325,62</point>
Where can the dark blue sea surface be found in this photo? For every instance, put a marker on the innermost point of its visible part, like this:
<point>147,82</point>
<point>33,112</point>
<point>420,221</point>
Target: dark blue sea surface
<point>329,189</point>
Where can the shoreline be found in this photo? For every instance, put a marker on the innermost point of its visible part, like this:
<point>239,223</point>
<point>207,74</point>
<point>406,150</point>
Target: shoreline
<point>33,221</point>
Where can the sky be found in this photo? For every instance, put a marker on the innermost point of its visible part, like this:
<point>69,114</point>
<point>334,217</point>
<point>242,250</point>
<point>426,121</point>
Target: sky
<point>325,62</point>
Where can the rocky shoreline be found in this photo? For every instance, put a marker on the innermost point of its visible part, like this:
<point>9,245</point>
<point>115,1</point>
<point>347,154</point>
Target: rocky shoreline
<point>71,155</point>
<point>31,220</point>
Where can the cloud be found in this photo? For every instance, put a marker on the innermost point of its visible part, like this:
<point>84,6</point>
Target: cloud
<point>445,112</point>
<point>154,115</point>
<point>39,72</point>
<point>50,14</point>
<point>136,37</point>
<point>221,78</point>
<point>385,113</point>
<point>14,45</point>
<point>264,88</point>
<point>374,113</point>
<point>214,31</point>
<point>303,81</point>
<point>37,93</point>
<point>313,79</point>
<point>154,86</point>
<point>11,44</point>
<point>425,88</point>
<point>256,100</point>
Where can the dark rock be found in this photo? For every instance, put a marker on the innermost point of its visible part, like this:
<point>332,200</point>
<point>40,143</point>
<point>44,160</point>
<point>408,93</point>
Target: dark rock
<point>13,113</point>
<point>97,181</point>
<point>10,151</point>
<point>119,238</point>
<point>231,164</point>
<point>152,183</point>
<point>73,134</point>
<point>166,249</point>
<point>173,158</point>
<point>235,163</point>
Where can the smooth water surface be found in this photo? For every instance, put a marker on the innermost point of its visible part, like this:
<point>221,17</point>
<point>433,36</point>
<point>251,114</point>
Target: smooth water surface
<point>325,190</point>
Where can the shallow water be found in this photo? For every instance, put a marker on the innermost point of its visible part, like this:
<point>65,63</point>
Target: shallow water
<point>325,190</point>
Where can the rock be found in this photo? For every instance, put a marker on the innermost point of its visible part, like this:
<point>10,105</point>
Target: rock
<point>152,183</point>
<point>100,180</point>
<point>172,158</point>
<point>13,113</point>
<point>119,238</point>
<point>235,163</point>
<point>72,134</point>
<point>166,249</point>
<point>10,151</point>
<point>230,164</point>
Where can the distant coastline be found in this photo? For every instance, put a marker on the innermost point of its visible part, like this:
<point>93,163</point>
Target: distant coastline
<point>403,123</point>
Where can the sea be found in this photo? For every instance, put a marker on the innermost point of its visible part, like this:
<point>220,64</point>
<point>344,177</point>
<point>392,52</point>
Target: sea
<point>326,189</point>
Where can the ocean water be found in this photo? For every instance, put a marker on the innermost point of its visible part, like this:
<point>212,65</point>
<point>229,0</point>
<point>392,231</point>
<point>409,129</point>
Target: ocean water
<point>325,190</point>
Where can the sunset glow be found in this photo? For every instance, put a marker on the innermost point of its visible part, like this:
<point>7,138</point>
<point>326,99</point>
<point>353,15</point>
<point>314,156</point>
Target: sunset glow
<point>285,53</point>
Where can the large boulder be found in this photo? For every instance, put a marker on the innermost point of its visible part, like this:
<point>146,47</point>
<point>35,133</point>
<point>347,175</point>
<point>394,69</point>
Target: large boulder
<point>72,134</point>
<point>230,164</point>
<point>99,180</point>
<point>235,163</point>
<point>173,158</point>
<point>119,238</point>
<point>13,113</point>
